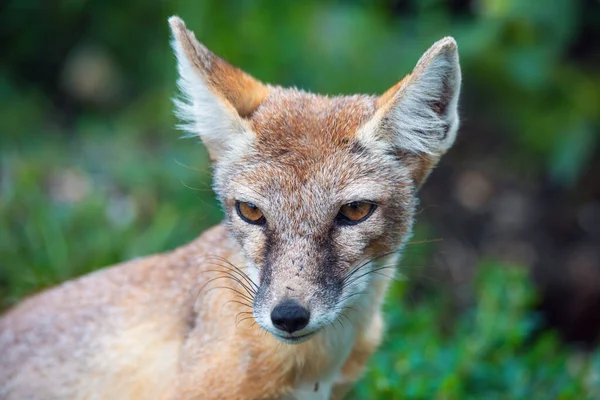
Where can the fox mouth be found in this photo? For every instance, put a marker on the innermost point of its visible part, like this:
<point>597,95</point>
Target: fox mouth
<point>292,339</point>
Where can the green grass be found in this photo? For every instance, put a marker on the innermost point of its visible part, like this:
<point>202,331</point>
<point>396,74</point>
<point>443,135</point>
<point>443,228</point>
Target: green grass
<point>69,208</point>
<point>489,352</point>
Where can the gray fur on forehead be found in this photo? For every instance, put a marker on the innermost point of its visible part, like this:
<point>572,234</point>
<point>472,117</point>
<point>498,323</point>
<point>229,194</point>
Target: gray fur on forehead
<point>298,192</point>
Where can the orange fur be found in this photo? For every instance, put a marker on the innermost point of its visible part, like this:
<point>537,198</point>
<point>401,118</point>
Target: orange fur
<point>239,89</point>
<point>180,325</point>
<point>173,327</point>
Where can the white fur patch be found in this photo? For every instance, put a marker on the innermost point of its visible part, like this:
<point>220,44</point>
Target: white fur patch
<point>313,391</point>
<point>204,114</point>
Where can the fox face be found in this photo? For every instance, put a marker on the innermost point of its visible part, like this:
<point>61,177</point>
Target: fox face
<point>309,204</point>
<point>320,192</point>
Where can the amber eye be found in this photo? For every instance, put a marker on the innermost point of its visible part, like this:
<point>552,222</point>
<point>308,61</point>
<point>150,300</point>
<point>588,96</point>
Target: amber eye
<point>250,213</point>
<point>355,212</point>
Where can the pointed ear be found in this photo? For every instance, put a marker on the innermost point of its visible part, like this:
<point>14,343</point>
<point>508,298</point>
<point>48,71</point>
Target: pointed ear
<point>418,117</point>
<point>216,96</point>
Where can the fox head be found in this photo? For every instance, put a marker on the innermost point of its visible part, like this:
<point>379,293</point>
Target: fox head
<point>318,191</point>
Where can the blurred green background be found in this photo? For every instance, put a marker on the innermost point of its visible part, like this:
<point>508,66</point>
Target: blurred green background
<point>499,296</point>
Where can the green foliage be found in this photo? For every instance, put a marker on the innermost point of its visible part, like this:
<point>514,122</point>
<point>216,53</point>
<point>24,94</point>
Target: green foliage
<point>67,210</point>
<point>491,351</point>
<point>92,173</point>
<point>513,52</point>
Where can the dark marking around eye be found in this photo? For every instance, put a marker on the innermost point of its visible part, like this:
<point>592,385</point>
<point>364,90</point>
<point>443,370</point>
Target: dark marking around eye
<point>289,288</point>
<point>266,270</point>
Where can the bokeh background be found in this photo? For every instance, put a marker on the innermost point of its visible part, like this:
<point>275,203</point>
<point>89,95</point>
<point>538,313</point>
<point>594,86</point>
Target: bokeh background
<point>499,292</point>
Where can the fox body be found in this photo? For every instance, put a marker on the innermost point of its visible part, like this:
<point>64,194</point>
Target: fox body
<point>283,299</point>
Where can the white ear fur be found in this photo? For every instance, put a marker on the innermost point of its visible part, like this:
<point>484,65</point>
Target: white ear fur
<point>420,114</point>
<point>204,112</point>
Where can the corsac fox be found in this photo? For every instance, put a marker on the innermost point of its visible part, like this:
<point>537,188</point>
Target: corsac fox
<point>283,299</point>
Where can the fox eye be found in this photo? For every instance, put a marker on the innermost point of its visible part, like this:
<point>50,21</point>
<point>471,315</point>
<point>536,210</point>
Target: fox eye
<point>250,213</point>
<point>355,212</point>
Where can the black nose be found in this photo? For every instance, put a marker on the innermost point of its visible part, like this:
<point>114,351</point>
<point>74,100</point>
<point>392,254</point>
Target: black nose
<point>290,316</point>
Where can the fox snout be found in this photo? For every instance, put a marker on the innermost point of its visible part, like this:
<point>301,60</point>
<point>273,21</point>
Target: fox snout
<point>290,316</point>
<point>294,303</point>
<point>291,320</point>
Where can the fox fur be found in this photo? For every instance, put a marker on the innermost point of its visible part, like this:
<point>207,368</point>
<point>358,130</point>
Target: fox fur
<point>194,323</point>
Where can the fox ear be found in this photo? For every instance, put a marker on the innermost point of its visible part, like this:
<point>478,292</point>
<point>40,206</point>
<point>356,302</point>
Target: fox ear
<point>418,117</point>
<point>216,96</point>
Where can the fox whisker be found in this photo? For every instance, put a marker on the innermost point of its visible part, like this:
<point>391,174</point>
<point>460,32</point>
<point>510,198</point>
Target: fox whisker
<point>202,170</point>
<point>238,270</point>
<point>364,263</point>
<point>249,290</point>
<point>239,302</point>
<point>244,319</point>
<point>343,314</point>
<point>247,296</point>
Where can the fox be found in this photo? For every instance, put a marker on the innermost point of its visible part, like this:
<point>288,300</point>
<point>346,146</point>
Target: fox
<point>283,299</point>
